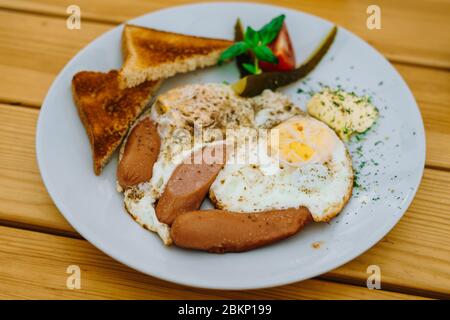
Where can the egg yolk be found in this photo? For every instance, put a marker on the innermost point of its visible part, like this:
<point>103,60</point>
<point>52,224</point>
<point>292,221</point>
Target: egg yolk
<point>302,150</point>
<point>302,141</point>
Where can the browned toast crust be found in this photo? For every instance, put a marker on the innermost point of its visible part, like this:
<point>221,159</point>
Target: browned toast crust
<point>107,111</point>
<point>156,46</point>
<point>151,54</point>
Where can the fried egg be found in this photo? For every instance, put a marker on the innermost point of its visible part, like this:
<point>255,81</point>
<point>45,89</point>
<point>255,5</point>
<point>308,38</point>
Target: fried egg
<point>308,166</point>
<point>188,118</point>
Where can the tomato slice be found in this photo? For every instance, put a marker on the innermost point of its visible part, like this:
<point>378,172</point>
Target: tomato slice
<point>283,50</point>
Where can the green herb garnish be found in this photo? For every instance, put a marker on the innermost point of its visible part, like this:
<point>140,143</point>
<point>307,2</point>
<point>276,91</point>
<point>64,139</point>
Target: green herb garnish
<point>256,42</point>
<point>355,182</point>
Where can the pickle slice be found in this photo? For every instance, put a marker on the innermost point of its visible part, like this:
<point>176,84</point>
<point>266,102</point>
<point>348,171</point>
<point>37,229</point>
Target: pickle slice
<point>252,85</point>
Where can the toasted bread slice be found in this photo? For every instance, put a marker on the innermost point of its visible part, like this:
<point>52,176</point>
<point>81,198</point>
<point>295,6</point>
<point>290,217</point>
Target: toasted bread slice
<point>108,111</point>
<point>151,54</point>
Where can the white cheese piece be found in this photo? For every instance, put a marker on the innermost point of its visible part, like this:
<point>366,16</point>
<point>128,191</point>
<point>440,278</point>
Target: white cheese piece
<point>345,113</point>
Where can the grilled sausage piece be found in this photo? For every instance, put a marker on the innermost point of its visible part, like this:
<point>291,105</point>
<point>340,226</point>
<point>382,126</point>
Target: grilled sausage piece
<point>189,183</point>
<point>140,153</point>
<point>223,231</point>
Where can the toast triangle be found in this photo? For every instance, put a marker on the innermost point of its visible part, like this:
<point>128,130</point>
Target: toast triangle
<point>151,54</point>
<point>107,111</point>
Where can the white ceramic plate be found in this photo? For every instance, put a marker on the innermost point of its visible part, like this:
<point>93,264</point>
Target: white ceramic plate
<point>390,159</point>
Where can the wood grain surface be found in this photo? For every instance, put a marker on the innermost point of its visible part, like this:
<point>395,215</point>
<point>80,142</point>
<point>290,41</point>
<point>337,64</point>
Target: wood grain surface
<point>37,244</point>
<point>45,46</point>
<point>34,266</point>
<point>25,201</point>
<point>400,19</point>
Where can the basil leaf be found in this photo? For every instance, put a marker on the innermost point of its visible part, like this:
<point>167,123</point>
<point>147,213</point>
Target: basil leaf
<point>236,49</point>
<point>269,32</point>
<point>264,53</point>
<point>251,37</point>
<point>250,68</point>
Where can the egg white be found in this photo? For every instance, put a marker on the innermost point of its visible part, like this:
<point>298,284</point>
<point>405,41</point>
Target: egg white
<point>323,187</point>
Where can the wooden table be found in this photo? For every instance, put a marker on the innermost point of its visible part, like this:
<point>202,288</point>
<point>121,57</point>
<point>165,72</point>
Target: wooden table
<point>37,244</point>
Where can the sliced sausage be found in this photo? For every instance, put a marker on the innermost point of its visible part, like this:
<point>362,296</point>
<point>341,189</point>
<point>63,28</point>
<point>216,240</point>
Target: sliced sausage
<point>140,153</point>
<point>189,183</point>
<point>223,231</point>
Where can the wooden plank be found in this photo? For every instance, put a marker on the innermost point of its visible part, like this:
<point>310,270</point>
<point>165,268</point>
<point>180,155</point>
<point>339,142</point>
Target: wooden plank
<point>426,20</point>
<point>23,197</point>
<point>415,255</point>
<point>420,235</point>
<point>33,50</point>
<point>30,62</point>
<point>431,89</point>
<point>33,266</point>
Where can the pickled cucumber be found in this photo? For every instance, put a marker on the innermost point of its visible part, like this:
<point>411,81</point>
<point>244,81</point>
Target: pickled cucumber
<point>252,85</point>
